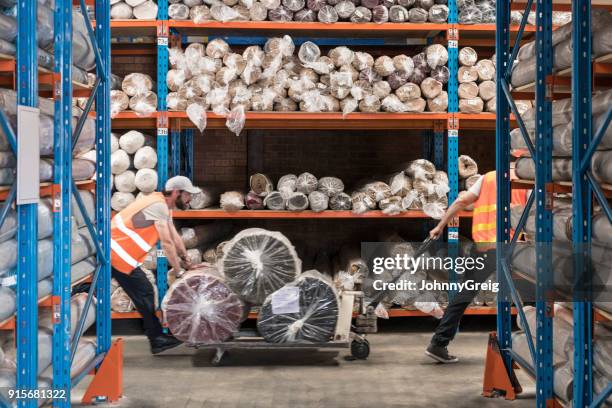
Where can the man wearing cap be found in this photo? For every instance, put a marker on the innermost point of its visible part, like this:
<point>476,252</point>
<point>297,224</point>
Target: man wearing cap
<point>137,229</point>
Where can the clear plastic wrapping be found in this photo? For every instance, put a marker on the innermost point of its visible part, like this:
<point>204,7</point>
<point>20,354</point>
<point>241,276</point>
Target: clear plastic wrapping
<point>144,104</point>
<point>261,184</point>
<point>330,185</point>
<point>439,103</point>
<point>340,201</point>
<point>201,309</point>
<point>136,84</point>
<point>232,201</point>
<point>306,183</point>
<point>304,311</point>
<point>318,201</point>
<point>121,200</point>
<point>276,200</point>
<point>297,201</point>
<point>257,262</point>
<point>472,105</point>
<point>146,180</point>
<point>254,201</point>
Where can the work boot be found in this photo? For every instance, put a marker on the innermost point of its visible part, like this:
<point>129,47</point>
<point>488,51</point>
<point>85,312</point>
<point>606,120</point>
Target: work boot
<point>163,343</point>
<point>440,354</point>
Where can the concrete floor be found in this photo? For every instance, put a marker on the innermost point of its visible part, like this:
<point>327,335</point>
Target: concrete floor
<point>397,374</point>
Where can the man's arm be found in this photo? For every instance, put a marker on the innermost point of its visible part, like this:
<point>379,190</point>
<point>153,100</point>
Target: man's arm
<point>464,199</point>
<point>178,241</point>
<point>167,243</point>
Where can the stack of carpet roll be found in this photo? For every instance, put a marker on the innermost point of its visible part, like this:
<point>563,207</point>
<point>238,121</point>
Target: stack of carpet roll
<point>468,174</point>
<point>562,141</point>
<point>121,302</point>
<point>280,77</point>
<point>257,267</point>
<point>133,9</point>
<point>86,349</point>
<point>82,167</point>
<point>476,82</point>
<point>82,251</point>
<point>325,11</point>
<point>563,350</point>
<point>419,186</point>
<point>136,94</point>
<point>524,71</point>
<point>81,102</point>
<point>483,12</point>
<point>524,259</point>
<point>133,164</point>
<point>82,48</point>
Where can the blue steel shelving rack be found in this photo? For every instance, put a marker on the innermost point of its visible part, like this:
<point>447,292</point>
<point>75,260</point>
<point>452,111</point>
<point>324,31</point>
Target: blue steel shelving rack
<point>63,189</point>
<point>180,145</point>
<point>585,141</point>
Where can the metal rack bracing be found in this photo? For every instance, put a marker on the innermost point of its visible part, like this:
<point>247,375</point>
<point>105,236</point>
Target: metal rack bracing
<point>63,189</point>
<point>584,187</point>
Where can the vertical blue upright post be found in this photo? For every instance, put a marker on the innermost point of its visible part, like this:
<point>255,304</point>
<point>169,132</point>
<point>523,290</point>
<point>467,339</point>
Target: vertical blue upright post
<point>543,198</point>
<point>103,193</point>
<point>62,179</point>
<point>162,130</point>
<point>175,160</point>
<point>582,203</point>
<point>502,164</point>
<point>27,228</point>
<point>453,131</point>
<point>188,155</point>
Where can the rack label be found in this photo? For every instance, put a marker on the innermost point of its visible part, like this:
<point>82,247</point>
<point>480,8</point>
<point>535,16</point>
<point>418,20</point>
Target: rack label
<point>453,235</point>
<point>453,44</point>
<point>162,131</point>
<point>453,133</point>
<point>286,300</point>
<point>162,41</point>
<point>160,253</point>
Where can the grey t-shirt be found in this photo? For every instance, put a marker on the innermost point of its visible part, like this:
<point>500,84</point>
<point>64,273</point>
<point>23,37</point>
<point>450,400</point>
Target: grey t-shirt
<point>157,212</point>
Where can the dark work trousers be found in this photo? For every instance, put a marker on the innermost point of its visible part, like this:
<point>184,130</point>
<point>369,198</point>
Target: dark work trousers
<point>449,324</point>
<point>140,290</point>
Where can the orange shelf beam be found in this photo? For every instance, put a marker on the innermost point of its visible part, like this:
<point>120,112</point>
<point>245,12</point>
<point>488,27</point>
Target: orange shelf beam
<point>46,189</point>
<point>307,214</point>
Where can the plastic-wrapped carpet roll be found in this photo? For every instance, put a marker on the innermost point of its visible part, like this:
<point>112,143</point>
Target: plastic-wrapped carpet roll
<point>472,105</point>
<point>124,182</point>
<point>561,169</point>
<point>439,103</point>
<point>254,201</point>
<point>207,197</point>
<point>276,200</point>
<point>145,158</point>
<point>144,104</point>
<point>257,262</point>
<point>120,162</point>
<point>421,169</point>
<point>306,183</point>
<point>602,166</point>
<point>146,180</point>
<point>467,90</point>
<point>136,84</point>
<point>201,309</point>
<point>7,303</point>
<point>201,235</point>
<point>340,202</point>
<point>232,201</point>
<point>146,10</point>
<point>305,310</point>
<point>297,201</point>
<point>260,184</point>
<point>467,166</point>
<point>9,227</point>
<point>318,201</point>
<point>121,200</point>
<point>563,376</point>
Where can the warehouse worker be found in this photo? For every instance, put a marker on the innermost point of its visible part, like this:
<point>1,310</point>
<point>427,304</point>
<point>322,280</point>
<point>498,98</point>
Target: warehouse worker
<point>483,194</point>
<point>137,229</point>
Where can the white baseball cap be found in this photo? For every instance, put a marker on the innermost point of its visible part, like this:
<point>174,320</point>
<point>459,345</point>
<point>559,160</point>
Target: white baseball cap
<point>181,183</point>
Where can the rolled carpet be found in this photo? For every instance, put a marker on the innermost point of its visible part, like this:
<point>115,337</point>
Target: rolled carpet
<point>305,310</point>
<point>201,309</point>
<point>256,262</point>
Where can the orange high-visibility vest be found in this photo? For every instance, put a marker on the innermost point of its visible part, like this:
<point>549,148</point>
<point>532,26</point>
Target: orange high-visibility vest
<point>484,222</point>
<point>130,244</point>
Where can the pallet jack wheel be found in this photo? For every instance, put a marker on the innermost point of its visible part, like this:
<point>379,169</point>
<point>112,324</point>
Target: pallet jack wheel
<point>360,349</point>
